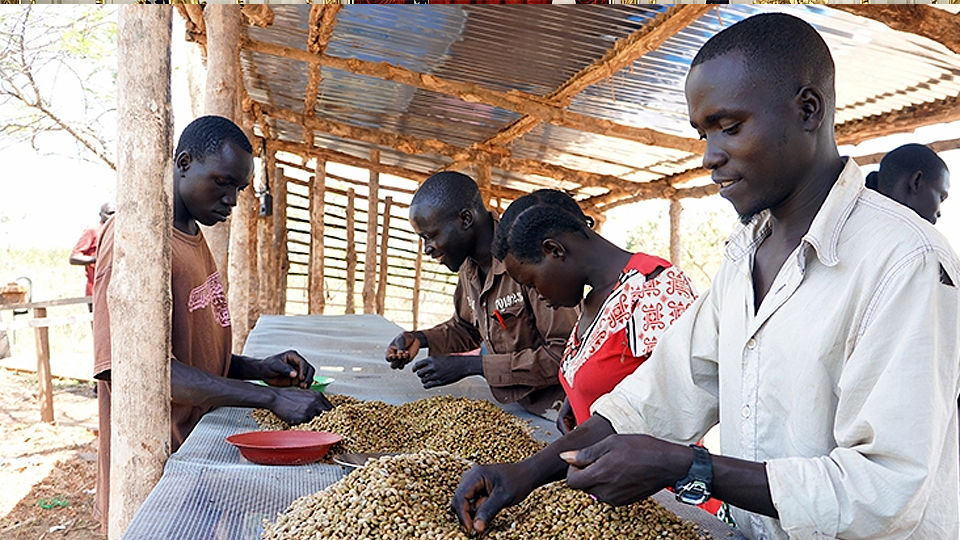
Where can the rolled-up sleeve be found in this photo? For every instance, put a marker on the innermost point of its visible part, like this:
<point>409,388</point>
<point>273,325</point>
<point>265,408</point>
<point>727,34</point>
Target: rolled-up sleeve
<point>895,425</point>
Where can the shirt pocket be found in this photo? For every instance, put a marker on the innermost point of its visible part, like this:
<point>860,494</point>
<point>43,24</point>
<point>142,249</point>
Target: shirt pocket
<point>508,318</point>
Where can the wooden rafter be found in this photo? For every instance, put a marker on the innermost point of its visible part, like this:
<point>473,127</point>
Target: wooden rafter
<point>623,53</point>
<point>686,193</point>
<point>902,120</point>
<point>307,150</point>
<point>495,156</point>
<point>939,146</point>
<point>514,100</point>
<point>936,24</point>
<point>323,19</point>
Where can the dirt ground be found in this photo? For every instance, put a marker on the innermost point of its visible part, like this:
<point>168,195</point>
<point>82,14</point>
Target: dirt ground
<point>48,471</point>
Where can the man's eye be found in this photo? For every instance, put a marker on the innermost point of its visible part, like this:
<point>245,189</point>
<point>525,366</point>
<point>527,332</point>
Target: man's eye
<point>732,130</point>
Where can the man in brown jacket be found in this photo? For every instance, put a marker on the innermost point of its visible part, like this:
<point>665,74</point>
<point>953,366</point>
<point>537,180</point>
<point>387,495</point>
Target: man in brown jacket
<point>522,336</point>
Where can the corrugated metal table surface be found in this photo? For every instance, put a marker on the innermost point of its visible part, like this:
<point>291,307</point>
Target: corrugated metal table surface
<point>208,491</point>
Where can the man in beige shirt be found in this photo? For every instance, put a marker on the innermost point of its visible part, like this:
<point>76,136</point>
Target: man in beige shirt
<point>826,348</point>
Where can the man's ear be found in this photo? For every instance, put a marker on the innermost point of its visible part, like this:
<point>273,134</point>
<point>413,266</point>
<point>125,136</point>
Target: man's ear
<point>914,183</point>
<point>182,161</point>
<point>812,106</point>
<point>552,248</point>
<point>466,218</point>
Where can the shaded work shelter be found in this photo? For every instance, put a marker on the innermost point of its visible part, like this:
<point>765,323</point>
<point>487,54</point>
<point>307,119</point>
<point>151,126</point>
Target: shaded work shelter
<point>589,101</point>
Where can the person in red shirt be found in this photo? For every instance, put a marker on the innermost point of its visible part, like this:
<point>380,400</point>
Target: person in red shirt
<point>85,252</point>
<point>546,242</point>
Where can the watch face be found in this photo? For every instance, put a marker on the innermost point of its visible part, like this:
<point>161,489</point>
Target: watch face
<point>693,492</point>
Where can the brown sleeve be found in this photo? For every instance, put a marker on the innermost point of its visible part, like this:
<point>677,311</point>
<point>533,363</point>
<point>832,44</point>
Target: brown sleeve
<point>514,375</point>
<point>459,333</point>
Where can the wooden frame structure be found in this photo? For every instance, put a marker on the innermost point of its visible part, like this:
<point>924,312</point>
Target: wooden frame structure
<point>301,127</point>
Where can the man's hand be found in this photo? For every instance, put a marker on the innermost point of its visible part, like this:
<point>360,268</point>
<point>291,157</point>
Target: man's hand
<point>484,490</point>
<point>286,369</point>
<point>296,406</point>
<point>566,420</point>
<point>442,370</point>
<point>622,469</point>
<point>402,349</point>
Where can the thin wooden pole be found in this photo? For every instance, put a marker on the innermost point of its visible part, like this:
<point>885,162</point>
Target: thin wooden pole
<point>267,265</point>
<point>351,253</point>
<point>484,181</point>
<point>280,242</point>
<point>139,292</point>
<point>418,276</point>
<point>370,259</point>
<point>315,293</point>
<point>675,209</point>
<point>384,266</point>
<point>43,367</point>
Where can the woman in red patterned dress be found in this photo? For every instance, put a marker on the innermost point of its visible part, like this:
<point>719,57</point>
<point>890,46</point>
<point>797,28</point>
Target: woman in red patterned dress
<point>546,242</point>
<point>633,297</point>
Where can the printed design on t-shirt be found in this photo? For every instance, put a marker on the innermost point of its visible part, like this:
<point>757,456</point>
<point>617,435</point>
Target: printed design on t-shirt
<point>504,302</point>
<point>210,293</point>
<point>638,310</point>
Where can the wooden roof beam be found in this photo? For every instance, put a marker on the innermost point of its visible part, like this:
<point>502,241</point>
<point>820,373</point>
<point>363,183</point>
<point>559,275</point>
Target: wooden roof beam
<point>623,53</point>
<point>322,21</point>
<point>514,100</point>
<point>495,156</point>
<point>301,149</point>
<point>939,146</point>
<point>902,120</point>
<point>927,21</point>
<point>686,193</point>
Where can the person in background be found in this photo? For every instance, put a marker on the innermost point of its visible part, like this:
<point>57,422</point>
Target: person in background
<point>914,176</point>
<point>522,337</point>
<point>826,347</point>
<point>213,162</point>
<point>84,253</point>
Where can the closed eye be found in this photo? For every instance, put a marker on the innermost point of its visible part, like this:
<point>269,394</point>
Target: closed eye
<point>732,130</point>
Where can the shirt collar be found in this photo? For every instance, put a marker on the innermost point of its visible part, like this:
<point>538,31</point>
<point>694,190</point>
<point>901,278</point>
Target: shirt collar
<point>824,233</point>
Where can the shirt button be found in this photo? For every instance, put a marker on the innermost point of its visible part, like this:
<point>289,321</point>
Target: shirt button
<point>752,344</point>
<point>745,411</point>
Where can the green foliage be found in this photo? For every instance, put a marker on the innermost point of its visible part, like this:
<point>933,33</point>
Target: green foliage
<point>704,229</point>
<point>54,502</point>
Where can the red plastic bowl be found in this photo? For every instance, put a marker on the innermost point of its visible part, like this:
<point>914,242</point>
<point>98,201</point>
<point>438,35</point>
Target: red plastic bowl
<point>284,447</point>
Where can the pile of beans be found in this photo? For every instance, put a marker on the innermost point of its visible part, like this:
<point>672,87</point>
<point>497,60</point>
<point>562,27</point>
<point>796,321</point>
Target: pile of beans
<point>407,497</point>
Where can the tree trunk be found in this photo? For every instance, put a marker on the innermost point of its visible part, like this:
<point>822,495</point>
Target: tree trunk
<point>139,293</point>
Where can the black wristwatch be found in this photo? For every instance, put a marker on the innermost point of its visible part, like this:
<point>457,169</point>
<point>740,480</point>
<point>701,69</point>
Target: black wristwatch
<point>696,487</point>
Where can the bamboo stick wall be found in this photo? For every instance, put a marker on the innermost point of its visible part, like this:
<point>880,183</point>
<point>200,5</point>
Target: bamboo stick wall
<point>396,287</point>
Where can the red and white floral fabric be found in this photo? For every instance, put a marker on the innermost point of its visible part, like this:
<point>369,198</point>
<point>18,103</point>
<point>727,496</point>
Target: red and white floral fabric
<point>630,322</point>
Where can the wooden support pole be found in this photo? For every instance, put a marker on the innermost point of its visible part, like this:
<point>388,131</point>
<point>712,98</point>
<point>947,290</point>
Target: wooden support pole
<point>139,292</point>
<point>384,266</point>
<point>280,234</point>
<point>675,209</point>
<point>43,367</point>
<point>370,259</point>
<point>351,252</point>
<point>418,277</point>
<point>267,264</point>
<point>315,279</point>
<point>221,98</point>
<point>484,182</point>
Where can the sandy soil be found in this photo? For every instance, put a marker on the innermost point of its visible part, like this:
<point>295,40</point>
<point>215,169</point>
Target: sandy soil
<point>48,471</point>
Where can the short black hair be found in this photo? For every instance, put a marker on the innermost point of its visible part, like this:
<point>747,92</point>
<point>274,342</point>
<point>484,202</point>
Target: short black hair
<point>871,181</point>
<point>782,48</point>
<point>906,160</point>
<point>205,135</point>
<point>541,196</point>
<point>451,190</point>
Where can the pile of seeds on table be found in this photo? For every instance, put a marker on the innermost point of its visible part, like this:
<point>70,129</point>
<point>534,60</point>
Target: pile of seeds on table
<point>408,497</point>
<point>475,430</point>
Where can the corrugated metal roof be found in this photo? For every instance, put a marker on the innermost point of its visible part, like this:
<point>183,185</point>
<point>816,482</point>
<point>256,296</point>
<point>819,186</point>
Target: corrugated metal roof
<point>535,50</point>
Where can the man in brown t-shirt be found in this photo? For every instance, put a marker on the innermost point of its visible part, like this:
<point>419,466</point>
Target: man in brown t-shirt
<point>523,337</point>
<point>213,162</point>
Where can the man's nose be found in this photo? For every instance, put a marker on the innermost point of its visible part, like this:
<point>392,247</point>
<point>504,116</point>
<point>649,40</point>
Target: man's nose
<point>713,157</point>
<point>230,199</point>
